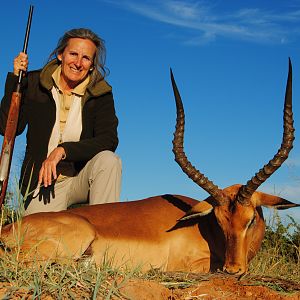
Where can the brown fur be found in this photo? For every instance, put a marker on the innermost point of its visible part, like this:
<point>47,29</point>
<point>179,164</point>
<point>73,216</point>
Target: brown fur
<point>147,232</point>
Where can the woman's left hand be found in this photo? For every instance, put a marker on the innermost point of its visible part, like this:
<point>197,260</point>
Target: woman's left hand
<point>48,170</point>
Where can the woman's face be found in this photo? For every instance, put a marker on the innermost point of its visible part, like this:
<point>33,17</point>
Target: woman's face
<point>76,61</point>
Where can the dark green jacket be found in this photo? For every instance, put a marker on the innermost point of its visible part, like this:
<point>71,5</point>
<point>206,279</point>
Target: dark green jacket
<point>38,112</point>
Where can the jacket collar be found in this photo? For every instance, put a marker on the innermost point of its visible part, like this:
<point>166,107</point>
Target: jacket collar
<point>100,88</point>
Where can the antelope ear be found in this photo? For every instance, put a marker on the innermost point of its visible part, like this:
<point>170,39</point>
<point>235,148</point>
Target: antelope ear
<point>263,199</point>
<point>201,209</point>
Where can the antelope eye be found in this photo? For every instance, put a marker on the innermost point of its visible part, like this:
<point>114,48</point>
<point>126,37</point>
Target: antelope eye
<point>252,222</point>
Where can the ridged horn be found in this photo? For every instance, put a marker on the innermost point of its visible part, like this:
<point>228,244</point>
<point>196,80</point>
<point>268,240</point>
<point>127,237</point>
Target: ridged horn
<point>263,174</point>
<point>180,156</point>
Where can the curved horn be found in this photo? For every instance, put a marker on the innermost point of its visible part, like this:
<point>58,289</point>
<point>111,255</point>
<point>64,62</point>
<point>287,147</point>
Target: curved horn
<point>263,174</point>
<point>180,156</point>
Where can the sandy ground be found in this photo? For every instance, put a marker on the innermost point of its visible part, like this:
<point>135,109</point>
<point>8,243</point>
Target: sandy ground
<point>212,286</point>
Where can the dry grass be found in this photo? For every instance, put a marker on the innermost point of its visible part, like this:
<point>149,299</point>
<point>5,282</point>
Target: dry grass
<point>280,252</point>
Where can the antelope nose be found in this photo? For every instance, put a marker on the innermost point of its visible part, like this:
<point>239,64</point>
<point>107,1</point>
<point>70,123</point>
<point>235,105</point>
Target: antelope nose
<point>233,270</point>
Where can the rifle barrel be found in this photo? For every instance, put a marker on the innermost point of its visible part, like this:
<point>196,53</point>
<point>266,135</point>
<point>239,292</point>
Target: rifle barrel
<point>26,39</point>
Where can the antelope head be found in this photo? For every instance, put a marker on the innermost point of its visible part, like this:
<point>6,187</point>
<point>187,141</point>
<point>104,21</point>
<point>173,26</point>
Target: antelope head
<point>237,208</point>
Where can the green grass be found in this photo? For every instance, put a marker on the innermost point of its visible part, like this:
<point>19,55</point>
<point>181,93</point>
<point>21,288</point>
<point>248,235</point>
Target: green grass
<point>73,280</point>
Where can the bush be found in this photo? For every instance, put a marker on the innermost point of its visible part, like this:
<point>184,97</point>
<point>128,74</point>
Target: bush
<point>280,252</point>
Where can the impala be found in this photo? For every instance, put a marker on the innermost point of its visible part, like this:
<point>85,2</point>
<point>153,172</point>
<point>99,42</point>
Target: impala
<point>171,232</point>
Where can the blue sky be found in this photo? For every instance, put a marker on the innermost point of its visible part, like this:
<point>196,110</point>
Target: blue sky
<point>230,61</point>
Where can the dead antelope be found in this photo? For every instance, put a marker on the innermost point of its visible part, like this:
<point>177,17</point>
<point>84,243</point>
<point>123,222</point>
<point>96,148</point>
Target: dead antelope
<point>170,232</point>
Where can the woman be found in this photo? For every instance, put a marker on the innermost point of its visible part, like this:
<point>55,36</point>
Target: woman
<point>72,126</point>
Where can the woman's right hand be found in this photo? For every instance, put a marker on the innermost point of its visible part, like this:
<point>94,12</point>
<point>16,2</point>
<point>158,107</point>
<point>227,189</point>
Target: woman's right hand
<point>48,170</point>
<point>20,63</point>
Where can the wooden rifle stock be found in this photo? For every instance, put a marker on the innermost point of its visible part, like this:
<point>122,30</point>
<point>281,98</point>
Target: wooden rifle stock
<point>11,124</point>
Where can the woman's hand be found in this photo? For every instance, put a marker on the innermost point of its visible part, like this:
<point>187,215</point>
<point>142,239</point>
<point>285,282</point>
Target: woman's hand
<point>20,63</point>
<point>48,169</point>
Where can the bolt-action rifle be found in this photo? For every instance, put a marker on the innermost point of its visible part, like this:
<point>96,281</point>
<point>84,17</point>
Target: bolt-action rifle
<point>12,122</point>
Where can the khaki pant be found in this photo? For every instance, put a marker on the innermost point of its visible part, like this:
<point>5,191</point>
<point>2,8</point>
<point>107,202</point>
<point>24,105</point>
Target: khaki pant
<point>98,182</point>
